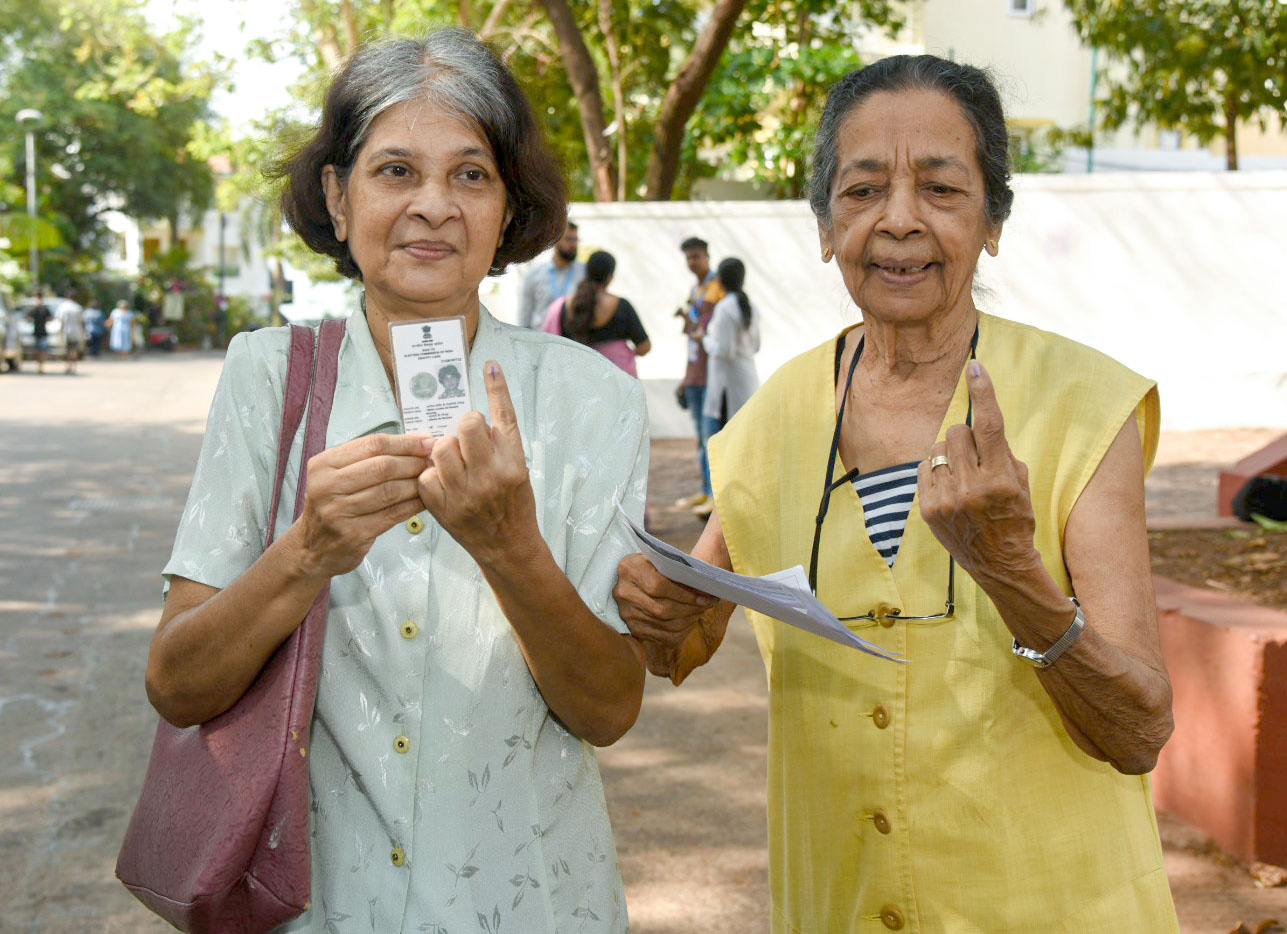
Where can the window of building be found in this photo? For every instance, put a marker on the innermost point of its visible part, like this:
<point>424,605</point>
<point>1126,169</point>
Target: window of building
<point>1022,8</point>
<point>231,261</point>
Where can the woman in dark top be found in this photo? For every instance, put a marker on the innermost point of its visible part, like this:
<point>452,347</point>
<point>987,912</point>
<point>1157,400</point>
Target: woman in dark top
<point>596,317</point>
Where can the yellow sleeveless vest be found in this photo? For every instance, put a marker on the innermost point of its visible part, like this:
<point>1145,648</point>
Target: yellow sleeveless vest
<point>942,796</point>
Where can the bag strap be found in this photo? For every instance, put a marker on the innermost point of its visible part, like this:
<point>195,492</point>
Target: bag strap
<point>326,368</point>
<point>299,375</point>
<point>311,369</point>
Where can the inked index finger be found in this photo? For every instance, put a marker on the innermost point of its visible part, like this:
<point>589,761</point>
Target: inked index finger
<point>989,423</point>
<point>504,418</point>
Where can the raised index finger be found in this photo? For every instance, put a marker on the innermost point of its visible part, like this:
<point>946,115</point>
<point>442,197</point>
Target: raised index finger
<point>989,424</point>
<point>504,418</point>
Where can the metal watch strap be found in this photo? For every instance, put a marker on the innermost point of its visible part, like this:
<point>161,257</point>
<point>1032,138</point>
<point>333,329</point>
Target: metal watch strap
<point>1051,655</point>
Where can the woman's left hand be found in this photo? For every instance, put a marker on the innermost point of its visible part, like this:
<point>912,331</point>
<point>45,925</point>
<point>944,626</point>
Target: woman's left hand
<point>477,485</point>
<point>978,504</point>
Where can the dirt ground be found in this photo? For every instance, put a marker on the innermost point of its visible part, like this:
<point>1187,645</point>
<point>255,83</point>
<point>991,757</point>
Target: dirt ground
<point>1248,564</point>
<point>693,852</point>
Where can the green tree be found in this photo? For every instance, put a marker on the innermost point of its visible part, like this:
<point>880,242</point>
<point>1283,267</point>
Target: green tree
<point>120,105</point>
<point>638,98</point>
<point>616,81</point>
<point>1200,66</point>
<point>766,98</point>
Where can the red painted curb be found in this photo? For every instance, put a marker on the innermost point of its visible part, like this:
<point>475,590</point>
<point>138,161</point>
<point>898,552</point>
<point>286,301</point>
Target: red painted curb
<point>1225,767</point>
<point>1271,459</point>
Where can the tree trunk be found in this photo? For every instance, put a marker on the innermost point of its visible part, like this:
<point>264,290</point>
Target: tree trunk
<point>802,95</point>
<point>350,25</point>
<point>684,95</point>
<point>585,83</point>
<point>466,17</point>
<point>328,43</point>
<point>494,20</point>
<point>1231,130</point>
<point>618,93</point>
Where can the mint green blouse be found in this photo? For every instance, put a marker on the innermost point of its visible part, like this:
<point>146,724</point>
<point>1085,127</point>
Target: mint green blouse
<point>445,796</point>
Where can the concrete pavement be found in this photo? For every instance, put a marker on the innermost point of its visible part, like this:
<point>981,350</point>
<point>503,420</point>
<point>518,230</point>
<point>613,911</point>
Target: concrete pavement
<point>95,470</point>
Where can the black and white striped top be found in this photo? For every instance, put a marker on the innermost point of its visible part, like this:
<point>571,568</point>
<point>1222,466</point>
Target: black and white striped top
<point>886,497</point>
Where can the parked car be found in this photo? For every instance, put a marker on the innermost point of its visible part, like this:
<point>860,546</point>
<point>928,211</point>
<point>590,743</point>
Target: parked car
<point>53,331</point>
<point>162,338</point>
<point>10,338</point>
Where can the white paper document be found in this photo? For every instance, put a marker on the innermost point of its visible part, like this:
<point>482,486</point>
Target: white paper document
<point>784,596</point>
<point>430,366</point>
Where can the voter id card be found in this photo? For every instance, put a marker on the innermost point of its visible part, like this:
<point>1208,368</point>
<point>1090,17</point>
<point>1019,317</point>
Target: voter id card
<point>431,373</point>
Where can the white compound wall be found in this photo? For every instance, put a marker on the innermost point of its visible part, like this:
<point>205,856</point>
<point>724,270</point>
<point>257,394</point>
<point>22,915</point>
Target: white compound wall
<point>1182,276</point>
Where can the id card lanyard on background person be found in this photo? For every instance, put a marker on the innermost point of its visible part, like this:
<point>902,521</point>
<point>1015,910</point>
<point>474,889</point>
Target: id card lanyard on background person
<point>695,299</point>
<point>561,291</point>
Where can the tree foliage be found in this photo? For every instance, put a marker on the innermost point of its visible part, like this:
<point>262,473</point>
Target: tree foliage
<point>766,98</point>
<point>120,105</point>
<point>638,97</point>
<point>1200,66</point>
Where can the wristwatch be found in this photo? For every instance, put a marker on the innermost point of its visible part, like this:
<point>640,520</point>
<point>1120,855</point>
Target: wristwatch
<point>1051,655</point>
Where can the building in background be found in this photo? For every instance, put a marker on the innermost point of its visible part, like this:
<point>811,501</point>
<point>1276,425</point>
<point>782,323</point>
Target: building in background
<point>247,272</point>
<point>1047,76</point>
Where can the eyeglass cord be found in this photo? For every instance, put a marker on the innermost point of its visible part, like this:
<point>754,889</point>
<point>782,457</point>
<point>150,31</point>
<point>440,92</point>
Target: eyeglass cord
<point>829,486</point>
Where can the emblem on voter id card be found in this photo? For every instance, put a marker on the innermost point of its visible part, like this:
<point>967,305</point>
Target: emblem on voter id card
<point>430,367</point>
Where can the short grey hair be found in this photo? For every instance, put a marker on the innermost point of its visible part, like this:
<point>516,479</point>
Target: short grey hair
<point>451,69</point>
<point>972,88</point>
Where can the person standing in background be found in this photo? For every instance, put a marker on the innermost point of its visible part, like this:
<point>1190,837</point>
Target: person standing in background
<point>72,316</point>
<point>597,318</point>
<point>692,391</point>
<point>40,316</point>
<point>546,283</point>
<point>95,327</point>
<point>731,343</point>
<point>121,322</point>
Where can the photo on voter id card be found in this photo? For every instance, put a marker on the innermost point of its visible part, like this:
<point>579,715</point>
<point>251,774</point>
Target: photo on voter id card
<point>430,366</point>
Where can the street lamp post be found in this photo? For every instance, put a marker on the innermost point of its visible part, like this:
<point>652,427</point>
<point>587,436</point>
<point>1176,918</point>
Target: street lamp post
<point>31,120</point>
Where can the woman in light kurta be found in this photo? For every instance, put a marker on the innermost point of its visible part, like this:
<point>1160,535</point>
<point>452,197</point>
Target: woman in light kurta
<point>473,653</point>
<point>731,342</point>
<point>951,480</point>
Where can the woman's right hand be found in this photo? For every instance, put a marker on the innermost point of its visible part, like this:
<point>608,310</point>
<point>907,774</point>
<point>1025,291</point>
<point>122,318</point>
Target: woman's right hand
<point>357,492</point>
<point>678,627</point>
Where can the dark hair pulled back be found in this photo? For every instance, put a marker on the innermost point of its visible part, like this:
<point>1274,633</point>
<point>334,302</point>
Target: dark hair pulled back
<point>972,88</point>
<point>580,309</point>
<point>731,274</point>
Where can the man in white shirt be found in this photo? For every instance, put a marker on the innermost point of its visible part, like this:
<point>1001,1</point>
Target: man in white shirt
<point>545,282</point>
<point>73,318</point>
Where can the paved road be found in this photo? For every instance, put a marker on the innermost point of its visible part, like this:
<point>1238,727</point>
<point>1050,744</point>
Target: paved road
<point>95,470</point>
<point>93,473</point>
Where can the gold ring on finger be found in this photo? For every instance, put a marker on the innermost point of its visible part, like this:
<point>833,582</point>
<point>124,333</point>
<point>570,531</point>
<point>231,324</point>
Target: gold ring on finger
<point>939,460</point>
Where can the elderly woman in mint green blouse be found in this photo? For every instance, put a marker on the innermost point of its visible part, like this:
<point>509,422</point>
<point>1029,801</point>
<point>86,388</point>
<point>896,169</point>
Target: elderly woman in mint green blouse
<point>473,654</point>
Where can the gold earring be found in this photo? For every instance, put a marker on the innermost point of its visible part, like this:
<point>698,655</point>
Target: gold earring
<point>991,245</point>
<point>826,255</point>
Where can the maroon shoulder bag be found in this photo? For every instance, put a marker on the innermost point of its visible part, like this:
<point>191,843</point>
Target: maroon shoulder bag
<point>219,840</point>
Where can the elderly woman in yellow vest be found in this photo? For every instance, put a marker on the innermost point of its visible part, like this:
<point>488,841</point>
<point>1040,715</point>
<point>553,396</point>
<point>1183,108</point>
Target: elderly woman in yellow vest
<point>966,491</point>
